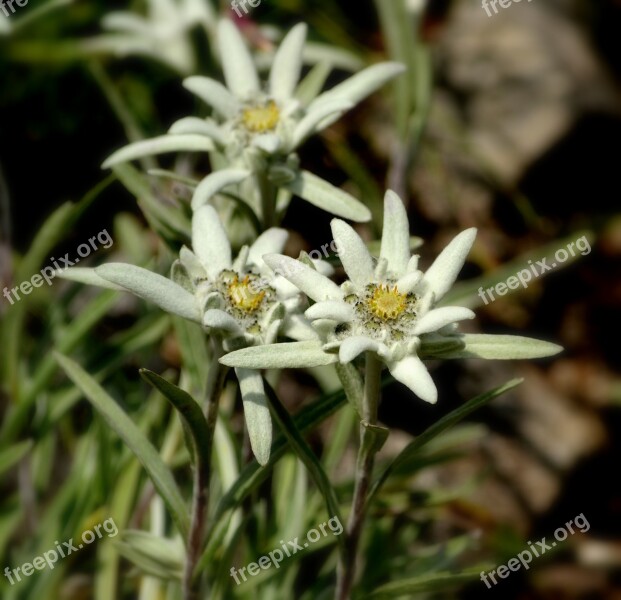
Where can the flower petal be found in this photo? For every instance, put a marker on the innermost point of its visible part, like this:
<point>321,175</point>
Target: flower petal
<point>324,195</point>
<point>216,182</point>
<point>257,413</point>
<point>268,142</point>
<point>312,283</point>
<point>444,270</point>
<point>240,72</point>
<point>356,345</point>
<point>159,145</point>
<point>153,287</point>
<point>213,93</point>
<point>293,355</point>
<point>440,317</point>
<point>269,242</point>
<point>218,319</point>
<point>362,84</point>
<point>408,282</point>
<point>210,241</point>
<point>287,64</point>
<point>395,235</point>
<point>194,125</point>
<point>311,122</point>
<point>88,277</point>
<point>331,309</point>
<point>412,372</point>
<point>298,328</point>
<point>353,253</point>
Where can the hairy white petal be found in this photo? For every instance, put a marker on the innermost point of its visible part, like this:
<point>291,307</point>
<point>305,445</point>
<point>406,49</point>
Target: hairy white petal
<point>312,283</point>
<point>159,145</point>
<point>331,309</point>
<point>153,287</point>
<point>216,182</point>
<point>240,72</point>
<point>218,319</point>
<point>412,372</point>
<point>210,241</point>
<point>353,253</point>
<point>396,234</point>
<point>213,93</point>
<point>293,355</point>
<point>194,125</point>
<point>287,64</point>
<point>408,283</point>
<point>312,121</point>
<point>88,277</point>
<point>269,242</point>
<point>256,413</point>
<point>444,270</point>
<point>440,317</point>
<point>324,195</point>
<point>356,345</point>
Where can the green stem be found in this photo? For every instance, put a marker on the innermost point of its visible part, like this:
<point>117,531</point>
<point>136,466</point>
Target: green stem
<point>202,477</point>
<point>267,191</point>
<point>364,470</point>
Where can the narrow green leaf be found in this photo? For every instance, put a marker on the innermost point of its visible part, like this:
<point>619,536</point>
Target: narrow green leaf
<point>432,582</point>
<point>189,411</point>
<point>120,422</point>
<point>10,457</point>
<point>304,452</point>
<point>437,428</point>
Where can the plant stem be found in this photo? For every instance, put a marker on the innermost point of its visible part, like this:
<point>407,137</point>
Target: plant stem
<point>268,200</point>
<point>202,477</point>
<point>364,471</point>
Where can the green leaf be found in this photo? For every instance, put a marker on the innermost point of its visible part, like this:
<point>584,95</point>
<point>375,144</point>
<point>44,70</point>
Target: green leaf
<point>191,414</point>
<point>465,293</point>
<point>432,582</point>
<point>304,452</point>
<point>290,355</point>
<point>10,457</point>
<point>495,347</point>
<point>253,475</point>
<point>437,428</point>
<point>324,195</point>
<point>119,421</point>
<point>352,383</point>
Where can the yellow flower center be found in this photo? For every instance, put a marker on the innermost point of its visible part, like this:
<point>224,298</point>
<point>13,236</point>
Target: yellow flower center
<point>243,295</point>
<point>260,119</point>
<point>387,302</point>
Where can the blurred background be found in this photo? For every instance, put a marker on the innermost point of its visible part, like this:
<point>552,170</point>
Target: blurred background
<point>518,135</point>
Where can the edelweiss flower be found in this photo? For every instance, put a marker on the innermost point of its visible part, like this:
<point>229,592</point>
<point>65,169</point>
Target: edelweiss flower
<point>164,34</point>
<point>387,306</point>
<point>241,299</point>
<point>257,129</point>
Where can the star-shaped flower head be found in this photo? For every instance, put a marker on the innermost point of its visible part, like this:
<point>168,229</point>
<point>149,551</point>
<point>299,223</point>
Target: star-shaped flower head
<point>257,128</point>
<point>163,35</point>
<point>242,300</point>
<point>387,306</point>
<point>384,306</point>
